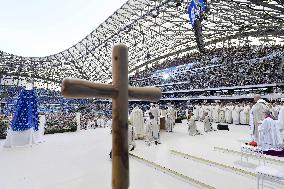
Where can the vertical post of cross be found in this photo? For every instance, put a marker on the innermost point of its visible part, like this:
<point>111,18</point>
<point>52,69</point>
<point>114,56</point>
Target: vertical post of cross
<point>120,159</point>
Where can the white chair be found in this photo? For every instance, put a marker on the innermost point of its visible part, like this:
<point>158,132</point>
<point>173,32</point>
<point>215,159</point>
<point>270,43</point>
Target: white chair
<point>269,173</point>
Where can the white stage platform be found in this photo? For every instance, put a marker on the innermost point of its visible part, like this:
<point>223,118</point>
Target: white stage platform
<point>80,160</point>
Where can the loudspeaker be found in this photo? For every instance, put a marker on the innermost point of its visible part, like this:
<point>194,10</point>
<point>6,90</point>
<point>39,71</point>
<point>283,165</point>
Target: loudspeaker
<point>223,127</point>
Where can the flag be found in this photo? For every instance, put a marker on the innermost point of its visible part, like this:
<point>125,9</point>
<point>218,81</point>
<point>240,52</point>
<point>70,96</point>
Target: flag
<point>192,12</point>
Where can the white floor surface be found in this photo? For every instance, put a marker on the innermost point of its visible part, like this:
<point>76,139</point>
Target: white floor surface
<point>80,160</point>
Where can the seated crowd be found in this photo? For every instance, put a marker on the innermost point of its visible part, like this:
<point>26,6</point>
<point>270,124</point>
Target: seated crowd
<point>229,67</point>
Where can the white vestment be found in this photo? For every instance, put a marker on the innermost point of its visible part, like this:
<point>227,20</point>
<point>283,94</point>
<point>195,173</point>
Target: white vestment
<point>228,114</point>
<point>269,135</point>
<point>41,126</point>
<point>215,114</point>
<point>131,136</point>
<point>236,115</point>
<point>152,130</point>
<point>156,113</point>
<point>169,122</point>
<point>137,120</point>
<point>192,129</point>
<point>207,124</point>
<point>200,113</point>
<point>78,120</point>
<point>242,116</point>
<point>195,112</point>
<point>258,115</point>
<point>280,122</point>
<point>222,115</point>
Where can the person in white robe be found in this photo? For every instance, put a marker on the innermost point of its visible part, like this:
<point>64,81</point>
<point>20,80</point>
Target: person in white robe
<point>159,113</point>
<point>207,124</point>
<point>192,128</point>
<point>228,114</point>
<point>215,113</point>
<point>155,112</point>
<point>196,112</point>
<point>137,120</point>
<point>258,114</point>
<point>201,112</point>
<point>152,130</point>
<point>269,137</point>
<point>78,121</point>
<point>275,110</point>
<point>131,137</point>
<point>101,122</point>
<point>222,114</point>
<point>236,114</point>
<point>247,114</point>
<point>242,115</point>
<point>169,122</point>
<point>280,122</point>
<point>41,127</point>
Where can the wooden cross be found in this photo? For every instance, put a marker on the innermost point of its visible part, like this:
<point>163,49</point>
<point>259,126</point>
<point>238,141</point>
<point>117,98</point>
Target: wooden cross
<point>119,92</point>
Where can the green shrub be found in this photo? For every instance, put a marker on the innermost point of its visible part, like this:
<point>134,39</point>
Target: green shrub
<point>4,124</point>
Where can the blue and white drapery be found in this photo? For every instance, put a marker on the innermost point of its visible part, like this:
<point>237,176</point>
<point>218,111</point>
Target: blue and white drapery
<point>26,115</point>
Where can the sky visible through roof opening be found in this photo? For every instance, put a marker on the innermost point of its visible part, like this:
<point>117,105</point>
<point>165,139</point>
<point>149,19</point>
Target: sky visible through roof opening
<point>45,27</point>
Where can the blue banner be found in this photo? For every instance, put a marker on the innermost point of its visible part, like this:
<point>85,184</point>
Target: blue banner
<point>26,115</point>
<point>192,12</point>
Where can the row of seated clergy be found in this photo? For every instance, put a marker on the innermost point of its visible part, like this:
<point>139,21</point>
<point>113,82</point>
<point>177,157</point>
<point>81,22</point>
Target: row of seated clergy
<point>235,114</point>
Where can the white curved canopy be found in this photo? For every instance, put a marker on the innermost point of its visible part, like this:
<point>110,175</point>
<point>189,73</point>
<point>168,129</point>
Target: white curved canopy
<point>153,31</point>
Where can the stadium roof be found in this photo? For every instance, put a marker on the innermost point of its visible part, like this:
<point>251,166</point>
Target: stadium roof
<point>153,30</point>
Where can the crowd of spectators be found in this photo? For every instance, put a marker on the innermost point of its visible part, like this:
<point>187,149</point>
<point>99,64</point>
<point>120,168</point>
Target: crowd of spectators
<point>219,68</point>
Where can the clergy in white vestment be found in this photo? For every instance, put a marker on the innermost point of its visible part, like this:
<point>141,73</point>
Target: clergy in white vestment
<point>236,114</point>
<point>169,122</point>
<point>137,120</point>
<point>269,137</point>
<point>192,128</point>
<point>275,110</point>
<point>258,114</point>
<point>215,113</point>
<point>207,124</point>
<point>155,112</point>
<point>222,114</point>
<point>210,112</point>
<point>159,113</point>
<point>41,127</point>
<point>196,112</point>
<point>131,137</point>
<point>78,121</point>
<point>163,112</point>
<point>243,120</point>
<point>172,112</point>
<point>228,114</point>
<point>247,113</point>
<point>101,121</point>
<point>152,130</point>
<point>280,122</point>
<point>201,112</point>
